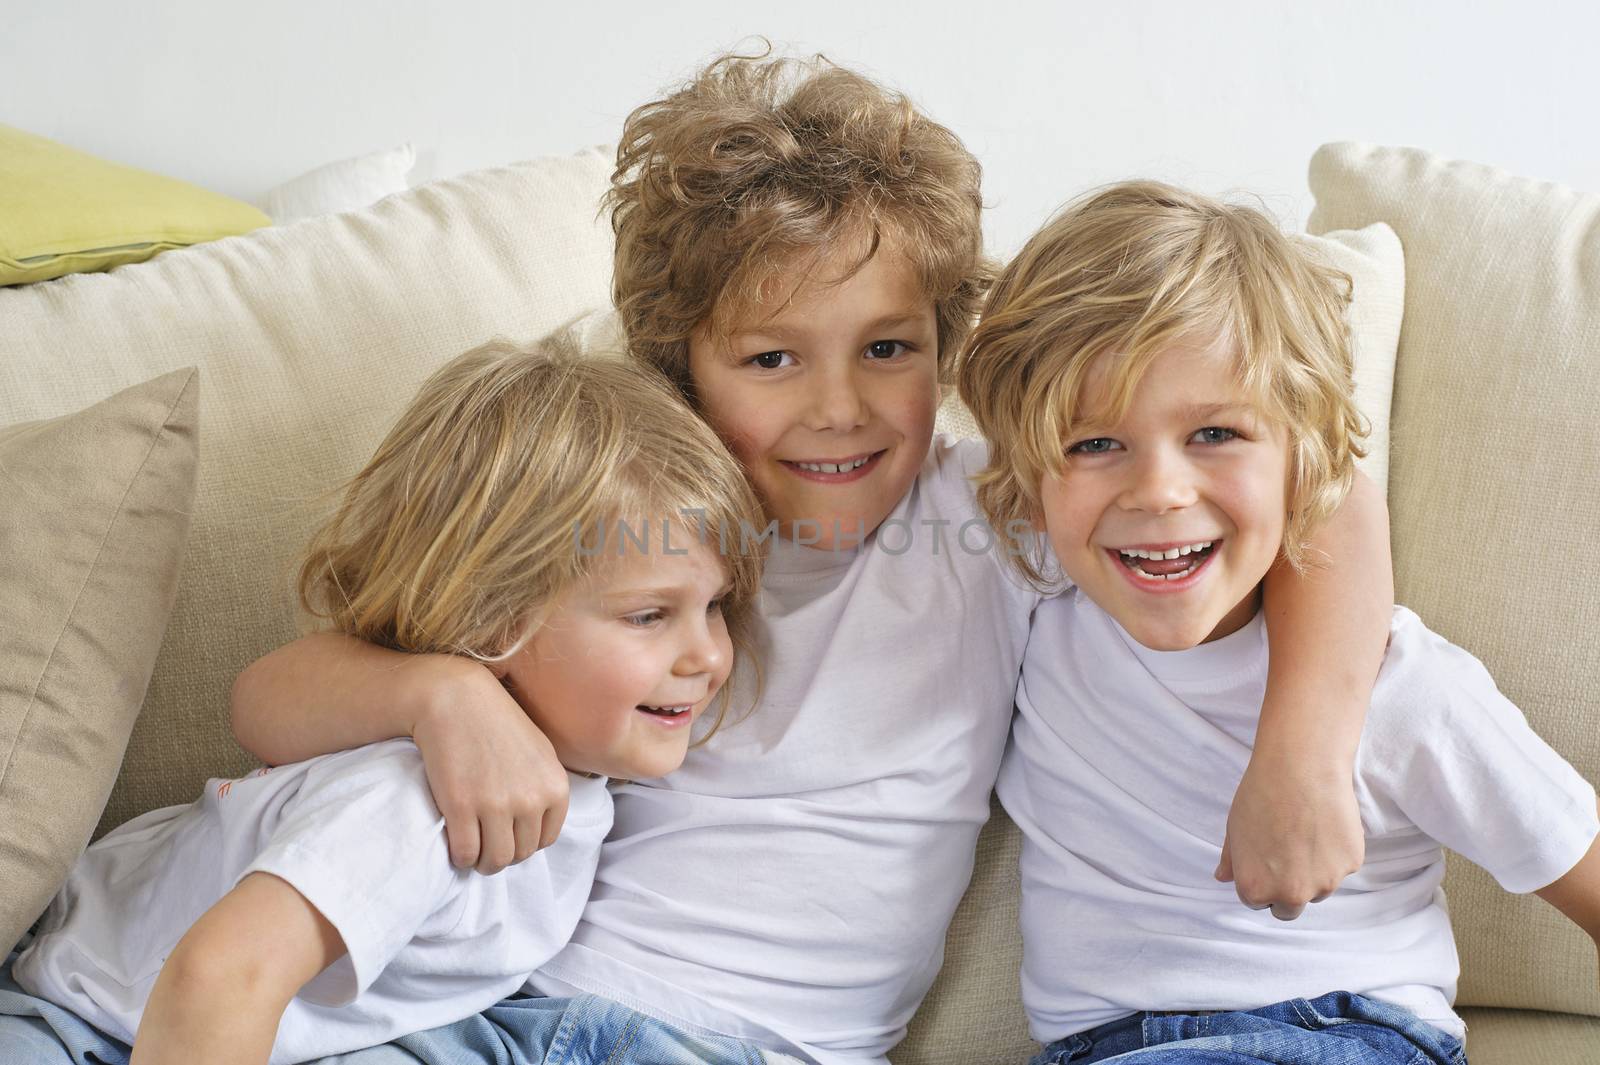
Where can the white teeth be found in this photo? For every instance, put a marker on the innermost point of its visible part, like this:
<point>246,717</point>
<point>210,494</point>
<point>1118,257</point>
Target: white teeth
<point>1176,552</point>
<point>834,467</point>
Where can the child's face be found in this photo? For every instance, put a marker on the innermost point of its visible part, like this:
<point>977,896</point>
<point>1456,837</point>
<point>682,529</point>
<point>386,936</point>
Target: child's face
<point>828,403</point>
<point>1192,463</point>
<point>627,660</point>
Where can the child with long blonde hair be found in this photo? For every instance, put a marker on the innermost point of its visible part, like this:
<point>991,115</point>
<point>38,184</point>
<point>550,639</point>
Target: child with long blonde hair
<point>568,524</point>
<point>800,250</point>
<point>1166,381</point>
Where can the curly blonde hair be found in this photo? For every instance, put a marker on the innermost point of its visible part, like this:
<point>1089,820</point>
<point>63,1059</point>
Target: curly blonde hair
<point>1124,273</point>
<point>757,165</point>
<point>469,520</point>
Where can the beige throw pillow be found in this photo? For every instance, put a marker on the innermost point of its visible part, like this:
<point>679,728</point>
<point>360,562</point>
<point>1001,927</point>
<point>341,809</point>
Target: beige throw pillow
<point>92,534</point>
<point>311,339</point>
<point>1493,471</point>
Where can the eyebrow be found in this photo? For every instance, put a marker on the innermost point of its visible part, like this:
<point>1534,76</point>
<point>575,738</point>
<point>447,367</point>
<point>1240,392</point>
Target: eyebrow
<point>1202,411</point>
<point>657,593</point>
<point>894,320</point>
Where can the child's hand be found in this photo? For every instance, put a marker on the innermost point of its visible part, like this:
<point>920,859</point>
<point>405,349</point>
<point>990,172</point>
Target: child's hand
<point>1292,835</point>
<point>494,775</point>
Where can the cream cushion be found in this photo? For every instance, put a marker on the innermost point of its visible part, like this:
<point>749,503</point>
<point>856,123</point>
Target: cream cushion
<point>92,532</point>
<point>310,340</point>
<point>983,951</point>
<point>1496,454</point>
<point>346,185</point>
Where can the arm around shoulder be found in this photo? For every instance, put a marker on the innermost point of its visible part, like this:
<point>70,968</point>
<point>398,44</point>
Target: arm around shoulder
<point>494,775</point>
<point>329,692</point>
<point>1294,831</point>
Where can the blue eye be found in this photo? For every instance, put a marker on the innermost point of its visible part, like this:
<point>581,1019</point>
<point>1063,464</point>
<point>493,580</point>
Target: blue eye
<point>1098,445</point>
<point>644,618</point>
<point>885,349</point>
<point>771,360</point>
<point>1213,434</point>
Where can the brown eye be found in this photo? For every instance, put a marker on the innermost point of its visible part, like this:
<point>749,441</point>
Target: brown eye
<point>770,360</point>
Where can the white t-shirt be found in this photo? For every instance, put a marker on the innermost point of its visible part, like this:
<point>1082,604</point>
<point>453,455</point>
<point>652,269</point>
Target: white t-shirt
<point>792,883</point>
<point>1123,762</point>
<point>358,835</point>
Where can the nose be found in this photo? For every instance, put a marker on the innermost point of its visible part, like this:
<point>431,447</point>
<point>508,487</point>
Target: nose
<point>835,401</point>
<point>706,647</point>
<point>1161,479</point>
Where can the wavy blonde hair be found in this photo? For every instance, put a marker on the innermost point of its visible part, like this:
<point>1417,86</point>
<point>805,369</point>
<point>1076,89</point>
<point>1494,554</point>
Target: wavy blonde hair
<point>1126,272</point>
<point>468,521</point>
<point>757,169</point>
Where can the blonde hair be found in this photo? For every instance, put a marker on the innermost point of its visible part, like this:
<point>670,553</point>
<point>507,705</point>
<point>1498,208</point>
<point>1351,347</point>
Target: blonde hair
<point>1126,272</point>
<point>468,521</point>
<point>758,165</point>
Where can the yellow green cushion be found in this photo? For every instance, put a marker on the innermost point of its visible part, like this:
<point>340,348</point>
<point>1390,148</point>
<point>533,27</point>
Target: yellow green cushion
<point>65,212</point>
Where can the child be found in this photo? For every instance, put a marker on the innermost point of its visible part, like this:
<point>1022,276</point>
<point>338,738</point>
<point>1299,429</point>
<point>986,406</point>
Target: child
<point>309,909</point>
<point>800,251</point>
<point>1167,384</point>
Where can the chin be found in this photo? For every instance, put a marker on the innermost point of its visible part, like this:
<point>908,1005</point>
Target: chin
<point>1166,638</point>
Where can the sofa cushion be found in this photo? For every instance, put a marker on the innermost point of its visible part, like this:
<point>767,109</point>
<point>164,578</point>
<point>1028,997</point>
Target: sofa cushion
<point>1495,450</point>
<point>63,211</point>
<point>1523,1037</point>
<point>311,338</point>
<point>96,513</point>
<point>345,185</point>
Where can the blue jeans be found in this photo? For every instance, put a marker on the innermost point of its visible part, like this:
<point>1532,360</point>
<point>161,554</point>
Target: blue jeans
<point>587,1030</point>
<point>1336,1029</point>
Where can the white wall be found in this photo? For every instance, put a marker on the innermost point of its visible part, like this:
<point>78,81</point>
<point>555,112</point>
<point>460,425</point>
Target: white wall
<point>1053,97</point>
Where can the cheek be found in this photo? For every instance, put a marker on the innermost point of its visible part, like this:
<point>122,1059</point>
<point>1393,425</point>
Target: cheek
<point>914,403</point>
<point>1067,515</point>
<point>743,423</point>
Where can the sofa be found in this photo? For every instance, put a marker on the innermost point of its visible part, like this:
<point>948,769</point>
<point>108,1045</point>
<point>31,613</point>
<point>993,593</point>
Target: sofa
<point>170,431</point>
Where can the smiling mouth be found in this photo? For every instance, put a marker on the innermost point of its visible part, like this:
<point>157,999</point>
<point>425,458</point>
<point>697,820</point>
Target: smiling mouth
<point>1173,564</point>
<point>668,712</point>
<point>844,469</point>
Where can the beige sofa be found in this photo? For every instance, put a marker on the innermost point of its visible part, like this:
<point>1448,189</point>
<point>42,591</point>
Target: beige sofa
<point>151,537</point>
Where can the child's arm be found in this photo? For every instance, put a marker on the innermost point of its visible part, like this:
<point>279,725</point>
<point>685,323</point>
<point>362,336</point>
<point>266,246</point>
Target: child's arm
<point>1577,894</point>
<point>494,776</point>
<point>224,987</point>
<point>1294,831</point>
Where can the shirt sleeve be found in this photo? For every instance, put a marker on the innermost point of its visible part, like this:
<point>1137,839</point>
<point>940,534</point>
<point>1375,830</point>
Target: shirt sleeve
<point>362,840</point>
<point>1447,752</point>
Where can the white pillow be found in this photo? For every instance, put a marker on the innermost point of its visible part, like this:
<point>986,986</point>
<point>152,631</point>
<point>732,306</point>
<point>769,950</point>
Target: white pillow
<point>347,185</point>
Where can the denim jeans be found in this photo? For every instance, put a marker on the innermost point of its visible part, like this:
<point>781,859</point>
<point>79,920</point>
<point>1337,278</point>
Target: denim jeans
<point>1336,1029</point>
<point>587,1030</point>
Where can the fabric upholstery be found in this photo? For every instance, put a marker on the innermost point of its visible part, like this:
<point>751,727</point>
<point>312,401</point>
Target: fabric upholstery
<point>92,533</point>
<point>1530,1037</point>
<point>63,211</point>
<point>1495,452</point>
<point>310,339</point>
